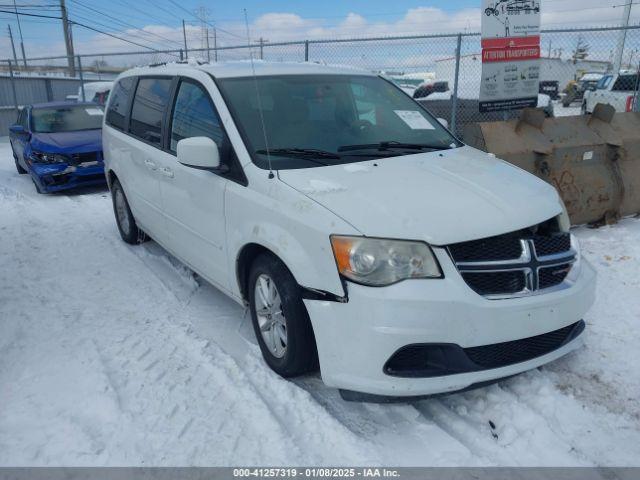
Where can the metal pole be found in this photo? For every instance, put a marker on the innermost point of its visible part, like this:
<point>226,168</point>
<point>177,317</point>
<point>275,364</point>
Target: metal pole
<point>13,46</point>
<point>261,48</point>
<point>306,50</point>
<point>206,29</point>
<point>215,45</point>
<point>13,86</point>
<point>622,36</point>
<point>84,98</point>
<point>24,57</point>
<point>68,39</point>
<point>184,36</point>
<point>454,99</point>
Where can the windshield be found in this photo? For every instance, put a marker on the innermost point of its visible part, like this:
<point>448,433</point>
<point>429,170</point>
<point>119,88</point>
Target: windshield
<point>315,120</point>
<point>66,118</point>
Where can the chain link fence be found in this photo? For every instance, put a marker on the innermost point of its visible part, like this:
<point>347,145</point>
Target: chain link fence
<point>443,72</point>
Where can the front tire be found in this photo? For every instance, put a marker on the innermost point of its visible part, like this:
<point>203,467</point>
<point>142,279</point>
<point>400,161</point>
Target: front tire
<point>127,226</point>
<point>280,319</point>
<point>19,167</point>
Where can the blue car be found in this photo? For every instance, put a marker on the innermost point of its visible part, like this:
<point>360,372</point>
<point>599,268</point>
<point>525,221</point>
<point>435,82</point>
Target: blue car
<point>59,144</point>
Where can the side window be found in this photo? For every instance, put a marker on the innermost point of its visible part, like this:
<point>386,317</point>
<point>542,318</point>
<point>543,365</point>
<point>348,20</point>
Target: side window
<point>604,82</point>
<point>117,112</point>
<point>625,83</point>
<point>152,96</point>
<point>194,116</point>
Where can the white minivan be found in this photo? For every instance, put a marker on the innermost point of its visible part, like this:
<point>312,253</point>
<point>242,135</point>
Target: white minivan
<point>366,240</point>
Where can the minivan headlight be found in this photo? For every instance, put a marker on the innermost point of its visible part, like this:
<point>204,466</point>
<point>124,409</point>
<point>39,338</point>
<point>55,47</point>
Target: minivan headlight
<point>380,262</point>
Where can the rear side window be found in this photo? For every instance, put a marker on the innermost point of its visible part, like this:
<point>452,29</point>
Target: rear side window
<point>117,112</point>
<point>604,82</point>
<point>149,103</point>
<point>194,116</point>
<point>625,83</point>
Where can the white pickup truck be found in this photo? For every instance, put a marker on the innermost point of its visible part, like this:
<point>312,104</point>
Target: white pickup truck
<point>618,91</point>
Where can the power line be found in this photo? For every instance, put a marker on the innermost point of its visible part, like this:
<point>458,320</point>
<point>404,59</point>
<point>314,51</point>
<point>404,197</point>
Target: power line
<point>137,32</point>
<point>123,23</point>
<point>173,2</point>
<point>87,27</point>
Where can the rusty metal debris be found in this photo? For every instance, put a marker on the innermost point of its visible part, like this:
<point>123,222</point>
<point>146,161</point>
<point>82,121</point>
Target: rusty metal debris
<point>593,161</point>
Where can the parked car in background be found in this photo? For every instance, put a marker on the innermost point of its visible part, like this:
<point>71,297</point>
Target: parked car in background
<point>59,144</point>
<point>551,88</point>
<point>468,109</point>
<point>362,235</point>
<point>96,92</point>
<point>619,91</point>
<point>426,89</point>
<point>575,90</point>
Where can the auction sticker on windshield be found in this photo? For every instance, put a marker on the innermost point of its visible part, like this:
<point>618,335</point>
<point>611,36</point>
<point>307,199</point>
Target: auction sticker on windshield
<point>414,119</point>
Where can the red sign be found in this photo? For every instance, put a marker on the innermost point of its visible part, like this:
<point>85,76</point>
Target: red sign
<point>509,54</point>
<point>503,42</point>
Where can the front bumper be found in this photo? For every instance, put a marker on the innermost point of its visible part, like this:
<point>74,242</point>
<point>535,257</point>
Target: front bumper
<point>357,338</point>
<point>63,176</point>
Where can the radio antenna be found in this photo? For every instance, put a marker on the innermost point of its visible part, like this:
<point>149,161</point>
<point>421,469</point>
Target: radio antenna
<point>255,83</point>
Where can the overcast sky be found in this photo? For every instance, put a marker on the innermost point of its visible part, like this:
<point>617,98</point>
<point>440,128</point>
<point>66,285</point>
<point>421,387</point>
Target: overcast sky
<point>157,23</point>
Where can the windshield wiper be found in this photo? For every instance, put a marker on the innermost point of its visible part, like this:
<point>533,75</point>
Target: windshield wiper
<point>300,152</point>
<point>392,145</point>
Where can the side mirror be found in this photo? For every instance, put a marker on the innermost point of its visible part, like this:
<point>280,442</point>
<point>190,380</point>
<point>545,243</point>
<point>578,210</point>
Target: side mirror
<point>17,129</point>
<point>443,122</point>
<point>199,152</point>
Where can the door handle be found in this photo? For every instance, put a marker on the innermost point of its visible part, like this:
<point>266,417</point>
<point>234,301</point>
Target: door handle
<point>167,172</point>
<point>150,165</point>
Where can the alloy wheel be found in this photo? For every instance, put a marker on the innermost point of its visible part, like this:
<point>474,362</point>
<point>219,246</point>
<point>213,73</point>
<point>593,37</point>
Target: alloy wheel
<point>271,319</point>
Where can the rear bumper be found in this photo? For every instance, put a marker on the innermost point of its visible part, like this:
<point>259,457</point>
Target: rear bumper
<point>62,176</point>
<point>356,339</point>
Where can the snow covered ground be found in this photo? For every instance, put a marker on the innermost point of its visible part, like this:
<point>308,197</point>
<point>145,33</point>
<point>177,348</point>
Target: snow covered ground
<point>119,355</point>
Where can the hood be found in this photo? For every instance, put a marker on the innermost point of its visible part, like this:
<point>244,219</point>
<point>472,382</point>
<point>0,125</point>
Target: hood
<point>68,142</point>
<point>439,197</point>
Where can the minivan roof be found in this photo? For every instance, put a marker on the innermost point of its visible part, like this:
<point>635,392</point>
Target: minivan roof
<point>245,69</point>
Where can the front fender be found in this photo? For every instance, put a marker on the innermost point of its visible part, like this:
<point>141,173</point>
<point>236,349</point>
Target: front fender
<point>273,215</point>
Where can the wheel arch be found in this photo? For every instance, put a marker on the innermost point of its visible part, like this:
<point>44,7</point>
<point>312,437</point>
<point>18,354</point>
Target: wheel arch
<point>244,260</point>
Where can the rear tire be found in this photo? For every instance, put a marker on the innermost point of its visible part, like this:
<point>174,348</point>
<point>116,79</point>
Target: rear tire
<point>125,221</point>
<point>280,319</point>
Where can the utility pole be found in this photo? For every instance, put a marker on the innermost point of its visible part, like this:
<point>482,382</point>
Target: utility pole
<point>622,36</point>
<point>262,42</point>
<point>207,45</point>
<point>215,45</point>
<point>68,39</point>
<point>184,36</point>
<point>24,57</point>
<point>13,46</point>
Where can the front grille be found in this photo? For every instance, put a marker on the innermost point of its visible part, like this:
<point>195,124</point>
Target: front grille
<point>503,247</point>
<point>552,244</point>
<point>516,351</point>
<point>438,359</point>
<point>496,283</point>
<point>519,262</point>
<point>552,276</point>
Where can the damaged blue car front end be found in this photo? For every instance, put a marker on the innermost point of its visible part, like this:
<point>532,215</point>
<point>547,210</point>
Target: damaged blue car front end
<point>65,160</point>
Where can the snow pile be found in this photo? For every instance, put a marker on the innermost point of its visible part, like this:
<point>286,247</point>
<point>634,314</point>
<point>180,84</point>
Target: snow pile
<point>119,355</point>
